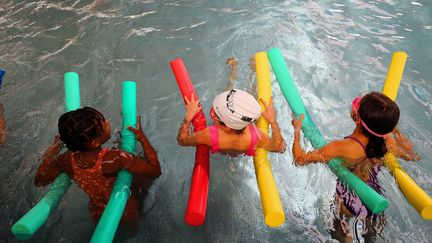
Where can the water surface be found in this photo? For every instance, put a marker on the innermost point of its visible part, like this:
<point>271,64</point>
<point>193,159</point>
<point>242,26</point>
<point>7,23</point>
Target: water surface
<point>334,49</point>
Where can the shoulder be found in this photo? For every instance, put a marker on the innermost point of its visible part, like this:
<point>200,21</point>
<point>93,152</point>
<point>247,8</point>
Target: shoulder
<point>346,149</point>
<point>338,143</point>
<point>63,160</point>
<point>203,136</point>
<point>337,148</point>
<point>112,155</point>
<point>115,159</point>
<point>64,157</point>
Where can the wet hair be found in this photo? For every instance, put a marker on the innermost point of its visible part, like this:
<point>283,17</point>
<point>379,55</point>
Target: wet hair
<point>80,127</point>
<point>381,115</point>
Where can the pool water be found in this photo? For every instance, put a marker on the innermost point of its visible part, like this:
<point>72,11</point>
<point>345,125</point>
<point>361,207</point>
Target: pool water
<point>334,49</point>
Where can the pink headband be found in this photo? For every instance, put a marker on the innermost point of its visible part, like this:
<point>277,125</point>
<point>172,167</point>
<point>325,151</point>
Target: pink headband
<point>356,105</point>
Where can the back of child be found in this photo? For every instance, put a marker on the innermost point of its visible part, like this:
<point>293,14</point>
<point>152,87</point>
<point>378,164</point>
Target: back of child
<point>92,167</point>
<point>375,117</point>
<point>234,113</point>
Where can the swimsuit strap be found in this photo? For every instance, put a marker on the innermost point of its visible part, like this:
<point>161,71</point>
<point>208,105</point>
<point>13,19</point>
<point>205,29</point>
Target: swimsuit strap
<point>358,141</point>
<point>98,164</point>
<point>101,155</point>
<point>363,147</point>
<point>214,139</point>
<point>254,140</point>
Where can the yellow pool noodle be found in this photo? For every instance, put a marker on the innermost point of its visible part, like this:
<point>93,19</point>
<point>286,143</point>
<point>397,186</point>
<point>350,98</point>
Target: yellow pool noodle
<point>394,75</point>
<point>273,212</point>
<point>418,198</point>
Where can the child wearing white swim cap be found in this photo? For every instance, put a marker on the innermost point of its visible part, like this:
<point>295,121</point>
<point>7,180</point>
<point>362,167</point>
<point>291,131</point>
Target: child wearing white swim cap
<point>236,108</point>
<point>234,113</point>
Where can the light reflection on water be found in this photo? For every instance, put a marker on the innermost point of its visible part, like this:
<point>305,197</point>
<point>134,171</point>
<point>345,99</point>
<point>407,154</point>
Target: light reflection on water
<point>334,50</point>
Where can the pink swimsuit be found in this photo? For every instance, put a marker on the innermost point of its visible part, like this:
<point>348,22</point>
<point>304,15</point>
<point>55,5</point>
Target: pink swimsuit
<point>214,140</point>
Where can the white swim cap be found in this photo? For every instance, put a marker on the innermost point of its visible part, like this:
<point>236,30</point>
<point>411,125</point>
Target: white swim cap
<point>236,108</point>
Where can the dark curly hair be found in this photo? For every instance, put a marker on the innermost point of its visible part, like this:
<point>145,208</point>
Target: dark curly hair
<point>80,127</point>
<point>381,115</point>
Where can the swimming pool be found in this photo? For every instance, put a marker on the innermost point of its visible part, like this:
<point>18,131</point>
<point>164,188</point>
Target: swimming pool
<point>334,50</point>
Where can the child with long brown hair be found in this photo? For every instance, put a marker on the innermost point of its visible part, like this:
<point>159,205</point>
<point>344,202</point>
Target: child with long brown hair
<point>376,117</point>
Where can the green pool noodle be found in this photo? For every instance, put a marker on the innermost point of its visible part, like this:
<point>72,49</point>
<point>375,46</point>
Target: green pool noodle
<point>110,219</point>
<point>37,216</point>
<point>371,199</point>
<point>72,91</point>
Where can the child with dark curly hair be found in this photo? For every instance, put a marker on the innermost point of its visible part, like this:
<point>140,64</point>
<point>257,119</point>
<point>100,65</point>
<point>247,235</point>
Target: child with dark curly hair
<point>94,168</point>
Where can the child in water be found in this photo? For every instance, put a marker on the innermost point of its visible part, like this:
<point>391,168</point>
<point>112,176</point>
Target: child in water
<point>94,168</point>
<point>376,117</point>
<point>234,113</point>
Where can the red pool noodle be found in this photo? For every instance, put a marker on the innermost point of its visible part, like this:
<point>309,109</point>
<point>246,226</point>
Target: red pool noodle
<point>197,204</point>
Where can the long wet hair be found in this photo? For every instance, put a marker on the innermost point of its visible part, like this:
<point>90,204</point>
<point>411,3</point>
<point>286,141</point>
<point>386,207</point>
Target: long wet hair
<point>80,127</point>
<point>381,115</point>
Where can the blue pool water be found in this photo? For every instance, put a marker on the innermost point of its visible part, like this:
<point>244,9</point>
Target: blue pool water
<point>334,49</point>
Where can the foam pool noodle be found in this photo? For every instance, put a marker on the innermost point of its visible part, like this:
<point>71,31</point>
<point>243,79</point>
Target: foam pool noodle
<point>110,219</point>
<point>2,72</point>
<point>24,228</point>
<point>418,198</point>
<point>272,208</point>
<point>371,199</point>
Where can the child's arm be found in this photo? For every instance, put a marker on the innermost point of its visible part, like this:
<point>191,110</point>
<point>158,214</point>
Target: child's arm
<point>51,166</point>
<point>116,160</point>
<point>275,143</point>
<point>401,146</point>
<point>184,137</point>
<point>324,154</point>
<point>151,167</point>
